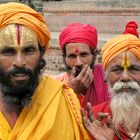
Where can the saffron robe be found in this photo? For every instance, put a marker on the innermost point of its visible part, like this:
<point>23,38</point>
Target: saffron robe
<point>104,107</point>
<point>97,92</point>
<point>54,114</point>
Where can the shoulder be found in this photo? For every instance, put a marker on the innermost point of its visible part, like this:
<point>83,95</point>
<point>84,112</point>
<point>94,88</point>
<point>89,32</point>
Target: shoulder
<point>50,82</point>
<point>62,77</point>
<point>99,67</point>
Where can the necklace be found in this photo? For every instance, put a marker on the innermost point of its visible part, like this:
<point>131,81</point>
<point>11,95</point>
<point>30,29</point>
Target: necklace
<point>133,136</point>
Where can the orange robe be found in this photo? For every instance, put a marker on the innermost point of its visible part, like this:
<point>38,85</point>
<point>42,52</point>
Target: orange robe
<point>54,114</point>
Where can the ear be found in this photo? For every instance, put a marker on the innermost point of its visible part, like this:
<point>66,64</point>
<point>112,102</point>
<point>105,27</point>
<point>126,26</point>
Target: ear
<point>42,51</point>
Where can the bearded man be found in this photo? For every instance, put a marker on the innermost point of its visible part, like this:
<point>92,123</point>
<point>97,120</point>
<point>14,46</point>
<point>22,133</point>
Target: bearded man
<point>78,43</point>
<point>120,117</point>
<point>32,107</point>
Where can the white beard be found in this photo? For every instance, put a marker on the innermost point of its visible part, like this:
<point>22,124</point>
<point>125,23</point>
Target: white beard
<point>125,106</point>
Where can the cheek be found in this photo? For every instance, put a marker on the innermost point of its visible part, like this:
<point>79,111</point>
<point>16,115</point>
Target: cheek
<point>136,78</point>
<point>111,79</point>
<point>6,64</point>
<point>69,62</point>
<point>33,61</point>
<point>87,60</point>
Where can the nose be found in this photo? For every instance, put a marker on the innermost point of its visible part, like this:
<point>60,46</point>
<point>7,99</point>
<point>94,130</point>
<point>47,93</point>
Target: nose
<point>19,60</point>
<point>78,61</point>
<point>125,76</point>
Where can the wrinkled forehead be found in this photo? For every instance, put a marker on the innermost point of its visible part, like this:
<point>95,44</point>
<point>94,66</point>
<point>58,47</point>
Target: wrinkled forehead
<point>17,35</point>
<point>126,58</point>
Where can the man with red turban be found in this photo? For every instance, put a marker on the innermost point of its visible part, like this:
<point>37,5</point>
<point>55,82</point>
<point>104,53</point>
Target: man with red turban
<point>120,117</point>
<point>32,107</point>
<point>79,47</point>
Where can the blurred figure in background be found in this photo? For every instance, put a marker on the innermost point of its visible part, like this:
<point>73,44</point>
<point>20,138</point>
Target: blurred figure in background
<point>79,47</point>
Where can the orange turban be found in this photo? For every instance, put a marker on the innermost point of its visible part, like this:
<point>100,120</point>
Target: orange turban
<point>120,44</point>
<point>17,13</point>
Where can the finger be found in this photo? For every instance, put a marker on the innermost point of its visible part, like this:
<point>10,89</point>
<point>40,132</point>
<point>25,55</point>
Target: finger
<point>102,115</point>
<point>90,112</point>
<point>83,72</point>
<point>109,122</point>
<point>83,112</point>
<point>87,78</point>
<point>73,72</point>
<point>88,75</point>
<point>86,121</point>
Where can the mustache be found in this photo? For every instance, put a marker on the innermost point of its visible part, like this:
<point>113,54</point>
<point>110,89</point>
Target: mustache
<point>126,85</point>
<point>22,70</point>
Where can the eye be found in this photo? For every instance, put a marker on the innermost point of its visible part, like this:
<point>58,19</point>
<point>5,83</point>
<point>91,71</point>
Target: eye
<point>117,70</point>
<point>71,56</point>
<point>8,51</point>
<point>134,69</point>
<point>29,50</point>
<point>84,54</point>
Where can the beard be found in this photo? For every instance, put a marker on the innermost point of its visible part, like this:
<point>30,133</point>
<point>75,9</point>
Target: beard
<point>16,96</point>
<point>125,104</point>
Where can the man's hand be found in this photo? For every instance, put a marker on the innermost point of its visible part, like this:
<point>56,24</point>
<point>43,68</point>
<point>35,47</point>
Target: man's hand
<point>96,127</point>
<point>80,83</point>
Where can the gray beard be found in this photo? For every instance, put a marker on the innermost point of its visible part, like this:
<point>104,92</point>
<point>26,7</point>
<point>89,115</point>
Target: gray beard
<point>123,105</point>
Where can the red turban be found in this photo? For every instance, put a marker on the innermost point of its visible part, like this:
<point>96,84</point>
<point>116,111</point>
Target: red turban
<point>131,28</point>
<point>79,33</point>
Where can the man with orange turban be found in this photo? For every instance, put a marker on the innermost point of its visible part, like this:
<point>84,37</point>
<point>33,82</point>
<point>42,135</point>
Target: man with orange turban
<point>79,47</point>
<point>32,107</point>
<point>120,117</point>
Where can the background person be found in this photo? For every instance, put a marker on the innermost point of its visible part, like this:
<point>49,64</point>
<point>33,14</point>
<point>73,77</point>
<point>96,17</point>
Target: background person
<point>79,47</point>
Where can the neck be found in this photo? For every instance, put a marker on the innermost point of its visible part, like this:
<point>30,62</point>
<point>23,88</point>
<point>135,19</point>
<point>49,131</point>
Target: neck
<point>11,117</point>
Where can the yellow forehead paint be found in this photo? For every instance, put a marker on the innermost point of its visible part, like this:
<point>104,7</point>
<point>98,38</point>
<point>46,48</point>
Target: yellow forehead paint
<point>125,61</point>
<point>17,36</point>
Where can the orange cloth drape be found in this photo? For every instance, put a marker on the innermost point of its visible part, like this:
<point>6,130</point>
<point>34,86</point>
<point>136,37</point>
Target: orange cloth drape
<point>17,13</point>
<point>54,114</point>
<point>120,44</point>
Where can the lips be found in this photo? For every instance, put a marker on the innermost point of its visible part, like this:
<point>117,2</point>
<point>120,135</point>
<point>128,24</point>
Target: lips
<point>126,90</point>
<point>20,76</point>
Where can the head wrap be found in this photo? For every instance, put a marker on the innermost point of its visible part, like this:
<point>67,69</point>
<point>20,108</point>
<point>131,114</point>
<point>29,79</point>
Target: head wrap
<point>131,28</point>
<point>127,41</point>
<point>17,13</point>
<point>79,33</point>
<point>120,44</point>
